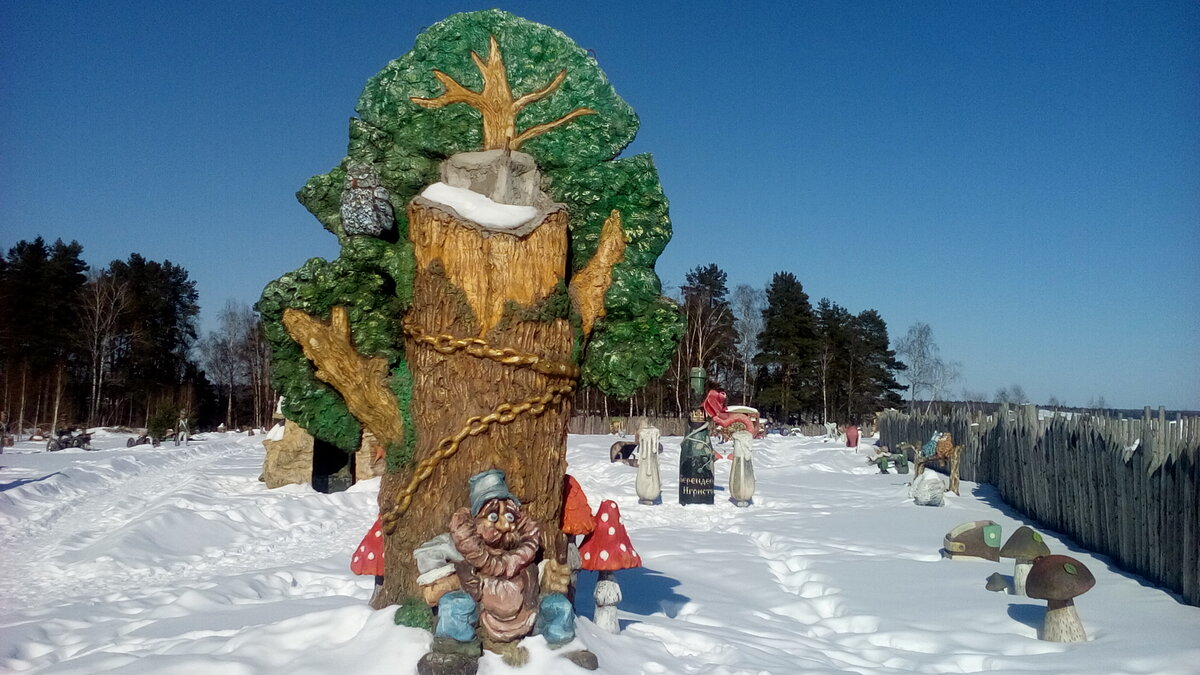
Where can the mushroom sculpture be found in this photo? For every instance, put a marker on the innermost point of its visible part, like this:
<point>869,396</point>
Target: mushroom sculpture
<point>576,520</point>
<point>368,557</point>
<point>1025,545</point>
<point>996,582</point>
<point>1058,579</point>
<point>976,539</point>
<point>606,550</point>
<point>577,512</point>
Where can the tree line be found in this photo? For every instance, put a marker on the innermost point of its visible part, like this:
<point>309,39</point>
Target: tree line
<point>119,345</point>
<point>771,349</point>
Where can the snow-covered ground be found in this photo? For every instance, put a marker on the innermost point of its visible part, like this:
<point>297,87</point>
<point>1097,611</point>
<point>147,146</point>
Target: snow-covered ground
<point>177,560</point>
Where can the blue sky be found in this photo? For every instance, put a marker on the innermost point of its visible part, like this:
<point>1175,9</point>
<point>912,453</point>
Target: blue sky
<point>1022,176</point>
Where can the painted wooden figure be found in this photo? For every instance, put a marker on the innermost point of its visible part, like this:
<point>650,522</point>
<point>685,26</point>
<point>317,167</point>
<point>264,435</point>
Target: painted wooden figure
<point>741,475</point>
<point>648,483</point>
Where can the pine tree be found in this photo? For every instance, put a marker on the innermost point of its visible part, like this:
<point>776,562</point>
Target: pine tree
<point>833,338</point>
<point>152,359</point>
<point>872,385</point>
<point>40,299</point>
<point>787,345</point>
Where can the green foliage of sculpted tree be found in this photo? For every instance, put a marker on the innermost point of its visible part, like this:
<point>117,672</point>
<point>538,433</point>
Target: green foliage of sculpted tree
<point>570,296</point>
<point>373,278</point>
<point>405,142</point>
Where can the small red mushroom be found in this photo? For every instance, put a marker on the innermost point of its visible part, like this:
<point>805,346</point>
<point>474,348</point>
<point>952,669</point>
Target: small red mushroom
<point>606,550</point>
<point>577,513</point>
<point>368,557</point>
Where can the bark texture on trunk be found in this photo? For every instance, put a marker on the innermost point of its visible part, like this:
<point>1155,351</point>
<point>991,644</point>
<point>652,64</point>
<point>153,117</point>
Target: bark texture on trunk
<point>476,293</point>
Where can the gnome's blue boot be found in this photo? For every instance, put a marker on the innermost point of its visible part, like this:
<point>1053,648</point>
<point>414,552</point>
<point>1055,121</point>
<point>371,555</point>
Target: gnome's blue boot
<point>555,620</point>
<point>556,623</point>
<point>457,617</point>
<point>455,649</point>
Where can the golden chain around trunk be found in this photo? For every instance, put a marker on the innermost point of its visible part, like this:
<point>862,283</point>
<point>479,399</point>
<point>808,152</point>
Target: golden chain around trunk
<point>503,414</point>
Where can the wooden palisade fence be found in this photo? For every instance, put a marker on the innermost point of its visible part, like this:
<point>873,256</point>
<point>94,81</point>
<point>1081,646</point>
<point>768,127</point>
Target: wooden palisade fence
<point>600,424</point>
<point>1129,489</point>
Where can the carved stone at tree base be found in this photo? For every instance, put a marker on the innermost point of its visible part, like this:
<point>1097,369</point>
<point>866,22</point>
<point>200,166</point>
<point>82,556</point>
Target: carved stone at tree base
<point>435,663</point>
<point>583,658</point>
<point>288,460</point>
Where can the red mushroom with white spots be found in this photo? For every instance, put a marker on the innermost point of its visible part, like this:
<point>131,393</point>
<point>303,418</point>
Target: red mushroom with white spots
<point>368,557</point>
<point>606,550</point>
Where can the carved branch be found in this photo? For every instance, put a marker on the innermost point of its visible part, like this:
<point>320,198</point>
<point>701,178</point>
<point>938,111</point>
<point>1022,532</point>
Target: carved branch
<point>495,101</point>
<point>532,96</point>
<point>362,381</point>
<point>587,288</point>
<point>455,93</point>
<point>539,129</point>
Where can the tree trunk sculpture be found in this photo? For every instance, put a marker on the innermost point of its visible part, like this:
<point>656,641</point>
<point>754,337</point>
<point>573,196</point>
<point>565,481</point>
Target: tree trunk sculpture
<point>458,337</point>
<point>507,380</point>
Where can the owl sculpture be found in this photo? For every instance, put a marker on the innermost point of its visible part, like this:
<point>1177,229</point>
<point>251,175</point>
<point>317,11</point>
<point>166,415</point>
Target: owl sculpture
<point>366,210</point>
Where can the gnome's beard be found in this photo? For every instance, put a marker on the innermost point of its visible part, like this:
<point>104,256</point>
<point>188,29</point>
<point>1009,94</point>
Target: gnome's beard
<point>490,551</point>
<point>496,539</point>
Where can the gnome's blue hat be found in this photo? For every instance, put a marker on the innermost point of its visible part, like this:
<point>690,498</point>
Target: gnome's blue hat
<point>488,485</point>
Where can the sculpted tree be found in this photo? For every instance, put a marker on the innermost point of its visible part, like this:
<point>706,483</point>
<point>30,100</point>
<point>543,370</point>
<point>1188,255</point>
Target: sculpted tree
<point>494,253</point>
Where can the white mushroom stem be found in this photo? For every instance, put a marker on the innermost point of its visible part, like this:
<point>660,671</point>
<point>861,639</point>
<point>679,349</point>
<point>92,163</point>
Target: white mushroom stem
<point>1062,622</point>
<point>608,594</point>
<point>1020,573</point>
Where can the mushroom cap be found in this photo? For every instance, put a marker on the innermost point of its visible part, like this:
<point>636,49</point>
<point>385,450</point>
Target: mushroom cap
<point>368,557</point>
<point>576,513</point>
<point>1024,544</point>
<point>978,538</point>
<point>1058,577</point>
<point>996,582</point>
<point>608,547</point>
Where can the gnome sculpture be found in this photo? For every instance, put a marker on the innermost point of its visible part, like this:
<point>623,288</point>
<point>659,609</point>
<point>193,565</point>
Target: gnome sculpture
<point>498,600</point>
